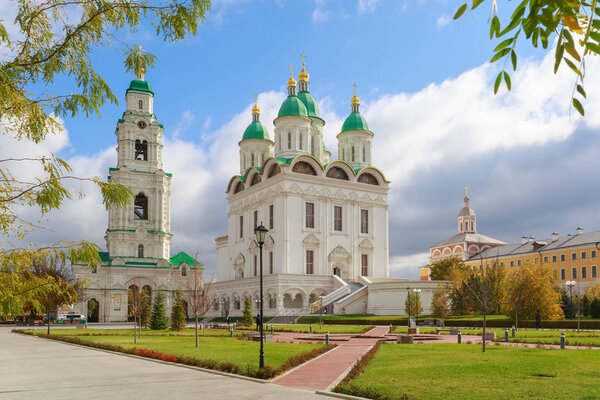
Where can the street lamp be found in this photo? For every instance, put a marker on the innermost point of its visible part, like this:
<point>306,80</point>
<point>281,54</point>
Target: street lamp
<point>570,285</point>
<point>408,298</point>
<point>261,233</point>
<point>418,292</point>
<point>321,312</point>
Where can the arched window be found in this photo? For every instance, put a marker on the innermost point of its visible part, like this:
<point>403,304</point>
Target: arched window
<point>147,290</point>
<point>255,180</point>
<point>183,271</point>
<point>302,167</point>
<point>289,140</point>
<point>252,158</point>
<point>352,153</point>
<point>337,173</point>
<point>141,150</point>
<point>274,171</point>
<point>368,178</point>
<point>141,105</point>
<point>239,187</point>
<point>140,208</point>
<point>364,154</point>
<point>140,251</point>
<point>300,141</point>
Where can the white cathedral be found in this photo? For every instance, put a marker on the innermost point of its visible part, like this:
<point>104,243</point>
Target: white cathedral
<point>327,219</point>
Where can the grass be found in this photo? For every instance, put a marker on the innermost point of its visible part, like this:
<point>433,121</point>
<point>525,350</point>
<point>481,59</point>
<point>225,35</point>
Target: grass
<point>222,349</point>
<point>305,328</point>
<point>451,371</point>
<point>550,336</point>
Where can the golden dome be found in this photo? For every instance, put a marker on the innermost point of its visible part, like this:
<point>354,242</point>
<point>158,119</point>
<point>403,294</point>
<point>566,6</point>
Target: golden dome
<point>291,81</point>
<point>303,75</point>
<point>355,99</point>
<point>256,108</point>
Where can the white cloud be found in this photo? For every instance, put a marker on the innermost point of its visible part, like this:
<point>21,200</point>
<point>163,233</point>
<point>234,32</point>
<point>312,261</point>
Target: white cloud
<point>442,21</point>
<point>408,266</point>
<point>319,14</point>
<point>367,6</point>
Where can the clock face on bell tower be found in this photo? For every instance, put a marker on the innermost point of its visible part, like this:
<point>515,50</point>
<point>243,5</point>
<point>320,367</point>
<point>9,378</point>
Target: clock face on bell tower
<point>141,125</point>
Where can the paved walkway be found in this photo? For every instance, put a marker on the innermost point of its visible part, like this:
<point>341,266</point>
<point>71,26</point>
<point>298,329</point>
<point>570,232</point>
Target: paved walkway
<point>34,368</point>
<point>324,371</point>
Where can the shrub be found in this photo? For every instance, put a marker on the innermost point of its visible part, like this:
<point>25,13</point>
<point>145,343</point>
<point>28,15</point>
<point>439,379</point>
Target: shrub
<point>178,313</point>
<point>247,318</point>
<point>159,319</point>
<point>595,308</point>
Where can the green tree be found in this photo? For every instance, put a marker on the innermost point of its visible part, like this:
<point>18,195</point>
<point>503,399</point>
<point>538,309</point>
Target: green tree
<point>146,312</point>
<point>576,24</point>
<point>595,308</point>
<point>159,319</point>
<point>177,312</point>
<point>441,301</point>
<point>567,304</point>
<point>54,40</point>
<point>413,304</point>
<point>247,316</point>
<point>448,269</point>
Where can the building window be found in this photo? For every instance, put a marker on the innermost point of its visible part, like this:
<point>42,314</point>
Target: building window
<point>337,218</point>
<point>183,271</point>
<point>141,150</point>
<point>512,263</point>
<point>353,154</point>
<point>563,257</point>
<point>594,272</point>
<point>252,159</point>
<point>255,219</point>
<point>300,141</point>
<point>270,262</point>
<point>545,259</point>
<point>364,154</point>
<point>574,273</point>
<point>593,254</point>
<point>255,266</point>
<point>310,215</point>
<point>289,140</point>
<point>563,274</point>
<point>241,226</point>
<point>140,251</point>
<point>554,258</point>
<point>584,255</point>
<point>271,215</point>
<point>573,256</point>
<point>518,263</point>
<point>365,265</point>
<point>364,221</point>
<point>140,207</point>
<point>583,272</point>
<point>310,266</point>
<point>140,105</point>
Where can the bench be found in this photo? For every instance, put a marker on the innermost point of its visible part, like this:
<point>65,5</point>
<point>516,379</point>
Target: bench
<point>255,337</point>
<point>451,331</point>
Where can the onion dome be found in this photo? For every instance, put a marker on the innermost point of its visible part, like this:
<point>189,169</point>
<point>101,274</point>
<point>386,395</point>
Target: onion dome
<point>256,130</point>
<point>292,105</point>
<point>140,85</point>
<point>291,82</point>
<point>466,210</point>
<point>355,121</point>
<point>303,75</point>
<point>311,105</point>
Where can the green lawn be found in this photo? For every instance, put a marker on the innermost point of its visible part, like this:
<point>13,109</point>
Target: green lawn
<point>222,349</point>
<point>451,371</point>
<point>305,328</point>
<point>551,336</point>
<point>188,332</point>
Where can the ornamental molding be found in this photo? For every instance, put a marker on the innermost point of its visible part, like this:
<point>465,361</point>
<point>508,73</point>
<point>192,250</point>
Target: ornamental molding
<point>311,239</point>
<point>339,253</point>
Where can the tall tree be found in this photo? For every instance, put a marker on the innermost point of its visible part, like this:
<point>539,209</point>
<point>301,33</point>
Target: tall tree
<point>177,312</point>
<point>136,300</point>
<point>247,315</point>
<point>159,319</point>
<point>55,39</point>
<point>196,292</point>
<point>575,23</point>
<point>448,269</point>
<point>441,301</point>
<point>413,304</point>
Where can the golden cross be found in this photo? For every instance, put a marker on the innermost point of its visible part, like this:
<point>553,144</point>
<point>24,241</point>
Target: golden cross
<point>303,59</point>
<point>291,72</point>
<point>255,99</point>
<point>354,89</point>
<point>467,191</point>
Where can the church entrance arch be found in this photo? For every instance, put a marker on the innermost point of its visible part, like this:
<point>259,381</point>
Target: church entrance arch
<point>93,310</point>
<point>291,301</point>
<point>337,272</point>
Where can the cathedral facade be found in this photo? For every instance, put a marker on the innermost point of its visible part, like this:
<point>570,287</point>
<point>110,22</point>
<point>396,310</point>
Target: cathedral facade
<point>327,219</point>
<point>138,237</point>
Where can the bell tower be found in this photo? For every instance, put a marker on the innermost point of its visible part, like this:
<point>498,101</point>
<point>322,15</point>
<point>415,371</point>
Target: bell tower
<point>142,229</point>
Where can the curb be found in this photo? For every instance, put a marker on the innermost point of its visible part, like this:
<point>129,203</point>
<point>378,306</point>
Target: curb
<point>339,395</point>
<point>210,371</point>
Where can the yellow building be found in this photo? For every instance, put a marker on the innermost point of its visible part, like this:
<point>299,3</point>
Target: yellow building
<point>575,257</point>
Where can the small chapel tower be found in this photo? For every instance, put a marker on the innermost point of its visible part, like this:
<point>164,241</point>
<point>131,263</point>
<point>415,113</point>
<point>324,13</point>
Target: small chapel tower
<point>141,230</point>
<point>467,220</point>
<point>256,145</point>
<point>354,144</point>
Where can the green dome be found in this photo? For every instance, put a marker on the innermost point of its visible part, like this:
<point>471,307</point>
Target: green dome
<point>141,86</point>
<point>256,130</point>
<point>355,122</point>
<point>311,105</point>
<point>293,106</point>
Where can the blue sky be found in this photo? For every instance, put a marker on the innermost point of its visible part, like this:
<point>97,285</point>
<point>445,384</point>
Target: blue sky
<point>426,92</point>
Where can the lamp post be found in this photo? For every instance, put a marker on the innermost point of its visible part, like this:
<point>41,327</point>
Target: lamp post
<point>417,291</point>
<point>261,233</point>
<point>570,285</point>
<point>408,297</point>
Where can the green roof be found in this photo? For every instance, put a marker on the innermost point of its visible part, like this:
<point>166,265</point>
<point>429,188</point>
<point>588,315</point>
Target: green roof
<point>256,130</point>
<point>183,257</point>
<point>293,106</point>
<point>355,122</point>
<point>140,86</point>
<point>309,102</point>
